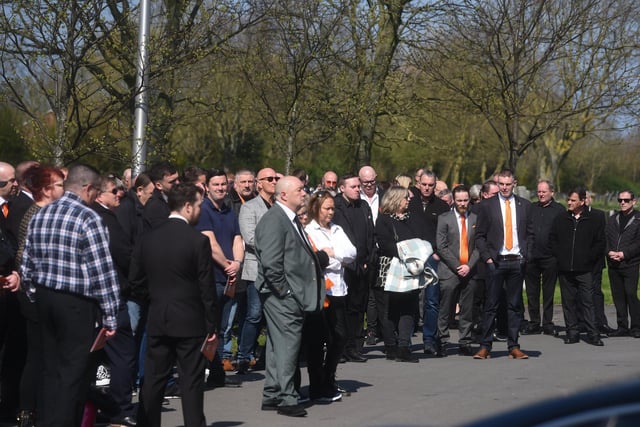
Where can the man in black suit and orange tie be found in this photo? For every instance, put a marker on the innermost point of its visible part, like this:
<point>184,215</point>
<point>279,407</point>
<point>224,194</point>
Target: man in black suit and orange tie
<point>173,264</point>
<point>291,283</point>
<point>503,233</point>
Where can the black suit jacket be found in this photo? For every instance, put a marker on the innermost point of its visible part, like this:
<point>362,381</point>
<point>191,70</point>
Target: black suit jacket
<point>156,211</point>
<point>172,264</point>
<point>119,247</point>
<point>490,227</point>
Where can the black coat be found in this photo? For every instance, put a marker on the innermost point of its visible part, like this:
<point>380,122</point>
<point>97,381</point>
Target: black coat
<point>172,265</point>
<point>542,218</point>
<point>425,216</point>
<point>577,244</point>
<point>357,222</point>
<point>627,241</point>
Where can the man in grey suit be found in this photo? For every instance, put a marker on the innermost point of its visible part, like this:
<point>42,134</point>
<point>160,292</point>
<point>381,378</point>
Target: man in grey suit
<point>455,237</point>
<point>250,214</point>
<point>290,282</point>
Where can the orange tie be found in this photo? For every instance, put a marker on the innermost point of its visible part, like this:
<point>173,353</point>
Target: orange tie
<point>508,232</point>
<point>464,242</point>
<point>5,209</point>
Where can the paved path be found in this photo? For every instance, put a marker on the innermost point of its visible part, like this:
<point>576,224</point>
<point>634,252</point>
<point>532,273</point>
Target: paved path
<point>436,392</point>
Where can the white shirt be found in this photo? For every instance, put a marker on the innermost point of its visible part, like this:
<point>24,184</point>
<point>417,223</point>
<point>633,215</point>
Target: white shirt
<point>515,250</point>
<point>344,253</point>
<point>374,204</point>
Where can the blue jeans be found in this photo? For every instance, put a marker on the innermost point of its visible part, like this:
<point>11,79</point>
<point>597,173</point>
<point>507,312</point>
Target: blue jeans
<point>431,308</point>
<point>251,324</point>
<point>228,314</point>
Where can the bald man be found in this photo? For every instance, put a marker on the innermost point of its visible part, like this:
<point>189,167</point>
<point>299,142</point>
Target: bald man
<point>291,284</point>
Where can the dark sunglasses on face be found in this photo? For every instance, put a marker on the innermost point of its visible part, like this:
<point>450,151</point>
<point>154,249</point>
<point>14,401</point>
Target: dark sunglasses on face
<point>270,178</point>
<point>624,200</point>
<point>113,191</point>
<point>4,183</point>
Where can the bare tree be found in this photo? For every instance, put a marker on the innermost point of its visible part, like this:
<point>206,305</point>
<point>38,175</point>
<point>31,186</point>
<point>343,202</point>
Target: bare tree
<point>534,67</point>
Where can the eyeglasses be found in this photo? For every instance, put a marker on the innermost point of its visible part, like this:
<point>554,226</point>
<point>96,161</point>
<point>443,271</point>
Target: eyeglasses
<point>4,183</point>
<point>113,191</point>
<point>625,200</point>
<point>372,182</point>
<point>269,178</point>
<point>331,182</point>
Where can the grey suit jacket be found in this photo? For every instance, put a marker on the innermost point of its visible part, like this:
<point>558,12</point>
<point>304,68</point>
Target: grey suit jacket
<point>250,214</point>
<point>286,266</point>
<point>448,244</point>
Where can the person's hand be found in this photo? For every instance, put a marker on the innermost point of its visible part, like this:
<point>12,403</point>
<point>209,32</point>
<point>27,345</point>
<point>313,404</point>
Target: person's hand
<point>232,268</point>
<point>110,333</point>
<point>329,251</point>
<point>212,337</point>
<point>11,282</point>
<point>463,270</point>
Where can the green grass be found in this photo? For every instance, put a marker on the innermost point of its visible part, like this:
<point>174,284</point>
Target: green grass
<point>606,290</point>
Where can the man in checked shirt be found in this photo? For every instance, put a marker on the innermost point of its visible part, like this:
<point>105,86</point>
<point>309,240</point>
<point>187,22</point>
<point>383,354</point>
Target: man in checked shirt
<point>67,269</point>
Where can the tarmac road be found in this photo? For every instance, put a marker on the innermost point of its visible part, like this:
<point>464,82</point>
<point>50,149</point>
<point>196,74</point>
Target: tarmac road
<point>436,392</point>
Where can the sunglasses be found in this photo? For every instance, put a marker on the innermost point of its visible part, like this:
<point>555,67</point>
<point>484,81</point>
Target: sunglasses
<point>4,183</point>
<point>624,200</point>
<point>269,178</point>
<point>113,191</point>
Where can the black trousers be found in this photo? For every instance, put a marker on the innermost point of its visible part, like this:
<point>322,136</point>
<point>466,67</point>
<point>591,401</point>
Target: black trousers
<point>336,323</point>
<point>122,353</point>
<point>67,327</point>
<point>30,387</point>
<point>507,274</point>
<point>624,290</point>
<point>576,289</point>
<point>356,307</point>
<point>13,350</point>
<point>162,354</point>
<point>541,275</point>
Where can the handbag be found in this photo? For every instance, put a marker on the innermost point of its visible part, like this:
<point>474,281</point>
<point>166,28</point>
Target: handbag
<point>383,267</point>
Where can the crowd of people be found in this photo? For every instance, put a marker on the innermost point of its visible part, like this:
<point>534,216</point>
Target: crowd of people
<point>144,273</point>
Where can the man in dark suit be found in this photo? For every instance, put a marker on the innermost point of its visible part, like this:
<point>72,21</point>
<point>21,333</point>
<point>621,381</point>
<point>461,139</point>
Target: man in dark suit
<point>502,236</point>
<point>291,283</point>
<point>457,269</point>
<point>542,271</point>
<point>173,263</point>
<point>354,215</point>
<point>164,176</point>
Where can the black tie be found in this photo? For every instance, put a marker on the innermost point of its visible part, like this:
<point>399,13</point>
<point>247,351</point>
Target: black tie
<point>303,236</point>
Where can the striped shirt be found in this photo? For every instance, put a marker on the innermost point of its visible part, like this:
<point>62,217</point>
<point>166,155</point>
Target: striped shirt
<point>67,249</point>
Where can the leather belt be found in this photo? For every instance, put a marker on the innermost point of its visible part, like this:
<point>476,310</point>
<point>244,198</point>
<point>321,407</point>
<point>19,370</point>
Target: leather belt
<point>509,258</point>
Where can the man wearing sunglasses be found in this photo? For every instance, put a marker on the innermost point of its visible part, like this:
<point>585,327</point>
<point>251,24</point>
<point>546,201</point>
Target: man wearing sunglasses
<point>623,257</point>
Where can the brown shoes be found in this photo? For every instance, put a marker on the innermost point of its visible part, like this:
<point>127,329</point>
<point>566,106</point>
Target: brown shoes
<point>516,353</point>
<point>482,354</point>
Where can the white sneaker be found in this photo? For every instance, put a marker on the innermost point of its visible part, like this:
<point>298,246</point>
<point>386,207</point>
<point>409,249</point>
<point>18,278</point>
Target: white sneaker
<point>103,377</point>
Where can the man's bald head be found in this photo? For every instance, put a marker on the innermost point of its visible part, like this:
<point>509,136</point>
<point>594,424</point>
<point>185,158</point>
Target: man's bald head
<point>290,192</point>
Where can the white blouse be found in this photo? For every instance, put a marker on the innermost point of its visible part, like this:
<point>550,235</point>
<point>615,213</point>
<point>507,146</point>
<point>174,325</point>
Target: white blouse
<point>344,253</point>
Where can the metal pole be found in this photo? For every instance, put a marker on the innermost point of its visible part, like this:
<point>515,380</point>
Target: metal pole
<point>139,146</point>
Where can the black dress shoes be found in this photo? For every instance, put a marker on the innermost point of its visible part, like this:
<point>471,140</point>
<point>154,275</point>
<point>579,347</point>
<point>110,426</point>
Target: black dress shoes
<point>354,356</point>
<point>124,422</point>
<point>572,339</point>
<point>594,340</point>
<point>292,411</point>
<point>465,350</point>
<point>442,351</point>
<point>635,333</point>
<point>404,354</point>
<point>605,330</point>
<point>532,329</point>
<point>431,349</point>
<point>619,333</point>
<point>549,330</point>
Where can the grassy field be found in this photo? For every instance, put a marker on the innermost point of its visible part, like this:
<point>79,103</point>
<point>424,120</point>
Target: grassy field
<point>606,290</point>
